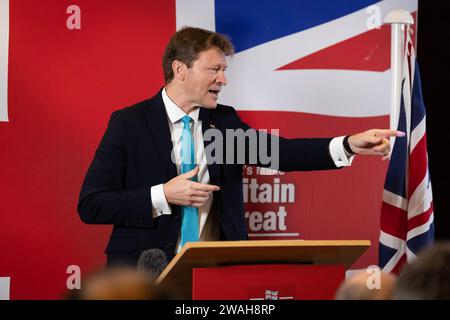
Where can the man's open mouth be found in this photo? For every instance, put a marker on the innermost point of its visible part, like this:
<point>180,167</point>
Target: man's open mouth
<point>214,92</point>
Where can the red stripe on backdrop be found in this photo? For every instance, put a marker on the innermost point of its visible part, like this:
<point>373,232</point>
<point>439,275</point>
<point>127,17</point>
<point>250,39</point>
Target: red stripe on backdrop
<point>369,51</point>
<point>393,221</point>
<point>417,165</point>
<point>63,85</point>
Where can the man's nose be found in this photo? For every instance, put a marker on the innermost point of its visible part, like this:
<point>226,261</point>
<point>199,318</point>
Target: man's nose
<point>222,79</point>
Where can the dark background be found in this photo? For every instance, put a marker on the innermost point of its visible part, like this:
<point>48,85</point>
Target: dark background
<point>433,57</point>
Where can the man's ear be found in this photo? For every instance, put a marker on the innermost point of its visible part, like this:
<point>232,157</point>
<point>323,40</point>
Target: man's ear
<point>179,70</point>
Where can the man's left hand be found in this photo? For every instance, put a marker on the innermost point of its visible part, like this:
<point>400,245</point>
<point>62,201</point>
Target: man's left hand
<point>373,142</point>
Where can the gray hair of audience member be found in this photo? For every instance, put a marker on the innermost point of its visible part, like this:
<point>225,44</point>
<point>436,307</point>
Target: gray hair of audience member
<point>427,277</point>
<point>356,287</point>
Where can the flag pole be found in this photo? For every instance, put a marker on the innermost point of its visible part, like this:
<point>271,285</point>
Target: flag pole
<point>398,19</point>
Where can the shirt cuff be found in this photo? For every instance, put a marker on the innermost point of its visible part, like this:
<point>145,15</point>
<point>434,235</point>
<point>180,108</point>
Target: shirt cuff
<point>159,201</point>
<point>337,151</point>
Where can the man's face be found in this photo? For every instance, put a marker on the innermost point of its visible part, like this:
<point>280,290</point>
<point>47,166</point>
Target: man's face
<point>205,78</point>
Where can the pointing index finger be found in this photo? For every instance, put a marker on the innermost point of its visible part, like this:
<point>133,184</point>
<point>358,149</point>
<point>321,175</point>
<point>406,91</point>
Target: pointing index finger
<point>389,133</point>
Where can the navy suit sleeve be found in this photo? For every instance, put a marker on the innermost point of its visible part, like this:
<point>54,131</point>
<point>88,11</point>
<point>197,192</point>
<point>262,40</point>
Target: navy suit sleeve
<point>302,154</point>
<point>103,198</point>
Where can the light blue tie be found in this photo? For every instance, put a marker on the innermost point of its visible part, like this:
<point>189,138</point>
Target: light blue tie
<point>189,226</point>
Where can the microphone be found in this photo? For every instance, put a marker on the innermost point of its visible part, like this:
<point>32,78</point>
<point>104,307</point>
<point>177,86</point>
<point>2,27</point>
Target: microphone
<point>153,262</point>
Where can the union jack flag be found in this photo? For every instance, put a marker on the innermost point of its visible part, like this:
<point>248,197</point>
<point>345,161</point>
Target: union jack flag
<point>271,295</point>
<point>407,209</point>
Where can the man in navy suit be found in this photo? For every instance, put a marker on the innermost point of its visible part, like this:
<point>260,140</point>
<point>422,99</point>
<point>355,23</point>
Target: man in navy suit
<point>151,177</point>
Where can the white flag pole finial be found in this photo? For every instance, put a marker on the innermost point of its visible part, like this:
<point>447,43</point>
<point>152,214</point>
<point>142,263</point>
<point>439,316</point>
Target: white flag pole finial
<point>398,19</point>
<point>398,16</point>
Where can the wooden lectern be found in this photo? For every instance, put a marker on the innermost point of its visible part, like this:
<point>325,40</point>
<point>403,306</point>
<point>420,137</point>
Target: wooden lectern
<point>262,269</point>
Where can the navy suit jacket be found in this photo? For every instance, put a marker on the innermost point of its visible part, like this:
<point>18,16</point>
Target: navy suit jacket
<point>135,154</point>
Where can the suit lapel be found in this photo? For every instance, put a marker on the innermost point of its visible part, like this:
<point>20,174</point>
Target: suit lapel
<point>159,126</point>
<point>207,119</point>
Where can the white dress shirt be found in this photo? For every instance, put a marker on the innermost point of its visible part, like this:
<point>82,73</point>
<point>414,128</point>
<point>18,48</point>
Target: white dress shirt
<point>208,224</point>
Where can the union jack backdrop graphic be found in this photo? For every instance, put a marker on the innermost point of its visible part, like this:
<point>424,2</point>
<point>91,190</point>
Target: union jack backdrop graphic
<point>407,209</point>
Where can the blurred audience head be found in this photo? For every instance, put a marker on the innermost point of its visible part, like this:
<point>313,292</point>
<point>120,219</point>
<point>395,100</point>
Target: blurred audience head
<point>427,277</point>
<point>364,285</point>
<point>119,283</point>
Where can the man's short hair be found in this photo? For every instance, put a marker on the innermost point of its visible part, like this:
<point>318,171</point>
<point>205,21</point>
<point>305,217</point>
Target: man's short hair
<point>428,277</point>
<point>186,44</point>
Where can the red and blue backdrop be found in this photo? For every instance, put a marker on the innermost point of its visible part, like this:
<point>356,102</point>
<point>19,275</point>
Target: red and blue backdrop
<point>308,68</point>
